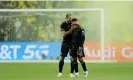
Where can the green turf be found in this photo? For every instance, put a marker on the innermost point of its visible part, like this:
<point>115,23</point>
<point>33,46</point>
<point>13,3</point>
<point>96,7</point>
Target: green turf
<point>48,71</point>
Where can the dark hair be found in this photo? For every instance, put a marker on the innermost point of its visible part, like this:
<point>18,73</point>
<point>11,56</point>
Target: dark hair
<point>67,15</point>
<point>74,19</point>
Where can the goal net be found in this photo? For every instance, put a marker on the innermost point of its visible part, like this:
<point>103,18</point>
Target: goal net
<point>44,25</point>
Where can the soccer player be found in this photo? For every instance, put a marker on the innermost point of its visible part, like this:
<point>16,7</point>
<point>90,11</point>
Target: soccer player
<point>78,37</point>
<point>66,31</point>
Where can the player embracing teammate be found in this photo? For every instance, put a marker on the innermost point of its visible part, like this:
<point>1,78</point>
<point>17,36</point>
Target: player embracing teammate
<point>73,40</point>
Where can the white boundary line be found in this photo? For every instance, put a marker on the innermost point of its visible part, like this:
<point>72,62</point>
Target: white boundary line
<point>68,10</point>
<point>102,34</point>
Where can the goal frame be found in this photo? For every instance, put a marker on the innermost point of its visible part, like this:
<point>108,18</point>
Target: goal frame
<point>70,10</point>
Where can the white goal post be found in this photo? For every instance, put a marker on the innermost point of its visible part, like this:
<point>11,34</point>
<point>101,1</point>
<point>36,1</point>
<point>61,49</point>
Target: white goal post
<point>69,10</point>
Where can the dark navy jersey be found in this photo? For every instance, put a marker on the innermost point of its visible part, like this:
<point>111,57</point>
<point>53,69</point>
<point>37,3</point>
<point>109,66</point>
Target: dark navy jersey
<point>78,36</point>
<point>66,27</point>
<point>82,36</point>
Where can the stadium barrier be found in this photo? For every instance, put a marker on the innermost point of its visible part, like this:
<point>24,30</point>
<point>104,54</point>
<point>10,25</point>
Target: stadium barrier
<point>120,52</point>
<point>50,51</point>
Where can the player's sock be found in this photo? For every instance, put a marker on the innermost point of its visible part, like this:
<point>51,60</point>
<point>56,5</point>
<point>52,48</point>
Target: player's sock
<point>84,66</point>
<point>76,67</point>
<point>72,67</point>
<point>61,64</point>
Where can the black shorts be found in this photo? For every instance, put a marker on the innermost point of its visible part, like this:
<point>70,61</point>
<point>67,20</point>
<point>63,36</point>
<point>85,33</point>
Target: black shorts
<point>65,49</point>
<point>76,52</point>
<point>80,52</point>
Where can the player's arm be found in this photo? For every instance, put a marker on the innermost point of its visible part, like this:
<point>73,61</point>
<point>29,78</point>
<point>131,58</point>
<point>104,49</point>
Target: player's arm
<point>82,35</point>
<point>66,32</point>
<point>82,39</point>
<point>62,29</point>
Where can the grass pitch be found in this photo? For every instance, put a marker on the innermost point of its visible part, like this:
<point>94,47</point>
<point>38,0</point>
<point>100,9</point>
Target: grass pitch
<point>48,71</point>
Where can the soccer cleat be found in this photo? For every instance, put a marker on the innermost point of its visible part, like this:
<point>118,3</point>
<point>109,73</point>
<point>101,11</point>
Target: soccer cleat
<point>59,75</point>
<point>72,75</point>
<point>77,74</point>
<point>85,73</point>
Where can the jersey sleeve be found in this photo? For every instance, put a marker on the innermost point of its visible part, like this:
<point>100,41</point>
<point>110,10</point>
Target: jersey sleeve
<point>62,27</point>
<point>82,37</point>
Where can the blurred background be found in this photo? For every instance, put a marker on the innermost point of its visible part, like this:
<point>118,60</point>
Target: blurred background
<point>29,38</point>
<point>45,26</point>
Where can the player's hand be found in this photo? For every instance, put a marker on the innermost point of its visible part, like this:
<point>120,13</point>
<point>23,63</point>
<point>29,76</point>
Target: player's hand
<point>73,27</point>
<point>64,34</point>
<point>69,31</point>
<point>77,23</point>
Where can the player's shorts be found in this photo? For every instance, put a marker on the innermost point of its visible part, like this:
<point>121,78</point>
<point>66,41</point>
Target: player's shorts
<point>80,52</point>
<point>76,52</point>
<point>65,49</point>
